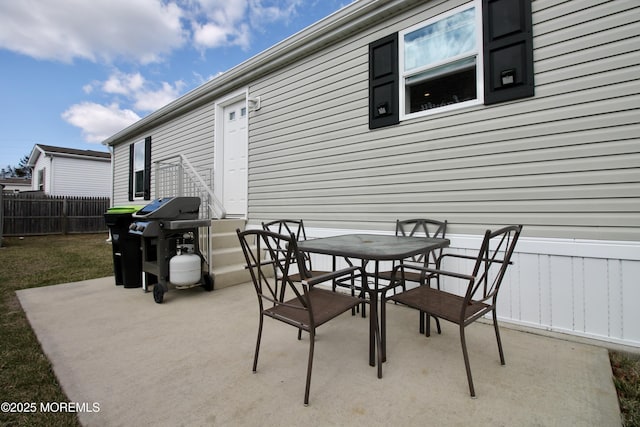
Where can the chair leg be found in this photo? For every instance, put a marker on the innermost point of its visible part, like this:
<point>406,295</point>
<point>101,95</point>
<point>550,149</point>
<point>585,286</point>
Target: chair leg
<point>299,334</point>
<point>312,338</point>
<point>355,309</point>
<point>383,327</point>
<point>422,315</point>
<point>379,341</point>
<point>255,357</point>
<point>495,326</point>
<point>466,361</point>
<point>437,320</point>
<point>428,322</point>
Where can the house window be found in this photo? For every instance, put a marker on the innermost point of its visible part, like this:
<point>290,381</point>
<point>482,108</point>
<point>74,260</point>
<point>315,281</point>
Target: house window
<point>441,63</point>
<point>138,169</point>
<point>478,53</point>
<point>41,175</point>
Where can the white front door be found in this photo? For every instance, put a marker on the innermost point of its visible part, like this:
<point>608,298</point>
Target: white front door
<point>234,153</point>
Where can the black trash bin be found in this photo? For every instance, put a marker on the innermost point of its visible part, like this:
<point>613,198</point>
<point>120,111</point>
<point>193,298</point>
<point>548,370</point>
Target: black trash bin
<point>127,254</point>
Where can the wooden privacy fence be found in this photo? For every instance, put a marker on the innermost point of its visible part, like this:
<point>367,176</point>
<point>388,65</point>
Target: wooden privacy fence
<point>29,214</point>
<point>1,213</point>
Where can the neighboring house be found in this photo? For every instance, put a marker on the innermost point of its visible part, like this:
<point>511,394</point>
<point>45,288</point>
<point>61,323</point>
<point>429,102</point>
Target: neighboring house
<point>59,171</point>
<point>484,113</point>
<point>15,185</point>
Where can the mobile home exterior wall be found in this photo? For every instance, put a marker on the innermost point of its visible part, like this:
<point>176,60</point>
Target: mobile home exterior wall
<point>59,171</point>
<point>565,163</point>
<point>191,134</point>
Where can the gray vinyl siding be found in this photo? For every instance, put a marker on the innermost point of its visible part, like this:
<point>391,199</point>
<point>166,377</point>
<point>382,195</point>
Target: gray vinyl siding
<point>80,177</point>
<point>566,163</point>
<point>191,134</point>
<point>120,175</point>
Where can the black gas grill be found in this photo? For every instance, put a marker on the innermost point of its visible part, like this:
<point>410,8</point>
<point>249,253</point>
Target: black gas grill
<point>170,241</point>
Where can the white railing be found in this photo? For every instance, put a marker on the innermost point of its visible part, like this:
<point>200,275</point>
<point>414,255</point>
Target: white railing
<point>176,176</point>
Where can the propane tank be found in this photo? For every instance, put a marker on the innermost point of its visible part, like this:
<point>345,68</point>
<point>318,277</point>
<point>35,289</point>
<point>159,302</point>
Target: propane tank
<point>184,269</point>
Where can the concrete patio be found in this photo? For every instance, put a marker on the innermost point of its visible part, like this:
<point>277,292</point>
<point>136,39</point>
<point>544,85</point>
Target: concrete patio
<point>187,362</point>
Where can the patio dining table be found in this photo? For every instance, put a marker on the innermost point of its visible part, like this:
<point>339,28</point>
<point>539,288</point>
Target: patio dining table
<point>373,248</point>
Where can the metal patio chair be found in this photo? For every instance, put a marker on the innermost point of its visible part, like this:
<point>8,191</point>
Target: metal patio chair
<point>296,228</point>
<point>303,306</point>
<point>482,286</point>
<point>400,276</point>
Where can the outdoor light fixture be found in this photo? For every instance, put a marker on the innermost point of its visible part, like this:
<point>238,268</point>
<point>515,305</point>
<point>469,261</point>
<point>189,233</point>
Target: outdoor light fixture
<point>254,103</point>
<point>508,77</point>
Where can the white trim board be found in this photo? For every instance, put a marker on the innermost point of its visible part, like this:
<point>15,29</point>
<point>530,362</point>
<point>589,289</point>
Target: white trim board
<point>600,249</point>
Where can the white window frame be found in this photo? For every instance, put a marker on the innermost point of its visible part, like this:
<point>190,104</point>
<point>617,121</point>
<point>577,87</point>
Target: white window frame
<point>479,64</point>
<point>138,146</point>
<point>41,179</point>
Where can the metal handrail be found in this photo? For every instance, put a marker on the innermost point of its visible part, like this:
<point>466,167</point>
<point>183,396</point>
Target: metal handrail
<point>213,204</point>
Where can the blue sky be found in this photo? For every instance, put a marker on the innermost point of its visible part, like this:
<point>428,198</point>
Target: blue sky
<point>74,72</point>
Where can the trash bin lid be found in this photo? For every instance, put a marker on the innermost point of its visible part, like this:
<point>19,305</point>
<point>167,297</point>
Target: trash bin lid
<point>124,209</point>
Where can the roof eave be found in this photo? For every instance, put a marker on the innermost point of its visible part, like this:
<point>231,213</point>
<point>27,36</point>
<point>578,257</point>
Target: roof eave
<point>39,150</point>
<point>33,157</point>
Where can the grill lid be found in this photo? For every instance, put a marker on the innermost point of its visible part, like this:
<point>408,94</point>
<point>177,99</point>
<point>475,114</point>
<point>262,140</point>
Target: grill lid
<point>172,208</point>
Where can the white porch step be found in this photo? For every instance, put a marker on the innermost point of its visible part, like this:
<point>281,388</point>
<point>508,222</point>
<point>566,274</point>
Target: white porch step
<point>224,240</point>
<point>227,225</point>
<point>231,275</point>
<point>227,263</point>
<point>227,256</point>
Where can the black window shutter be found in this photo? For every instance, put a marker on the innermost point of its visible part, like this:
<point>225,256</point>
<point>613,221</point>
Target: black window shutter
<point>508,50</point>
<point>131,171</point>
<point>383,82</point>
<point>147,168</point>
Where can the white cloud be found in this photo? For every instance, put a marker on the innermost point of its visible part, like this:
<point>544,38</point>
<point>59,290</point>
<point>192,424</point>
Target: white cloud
<point>222,11</point>
<point>88,88</point>
<point>139,32</point>
<point>210,35</point>
<point>97,30</point>
<point>267,12</point>
<point>151,100</point>
<point>123,84</point>
<point>217,23</point>
<point>98,122</point>
<point>144,95</point>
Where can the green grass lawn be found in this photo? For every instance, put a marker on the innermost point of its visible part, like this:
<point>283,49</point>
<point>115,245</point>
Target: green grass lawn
<point>26,376</point>
<point>626,377</point>
<point>25,372</point>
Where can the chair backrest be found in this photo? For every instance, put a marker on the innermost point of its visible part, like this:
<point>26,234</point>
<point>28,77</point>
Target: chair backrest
<point>287,227</point>
<point>424,228</point>
<point>263,253</point>
<point>290,227</point>
<point>491,264</point>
